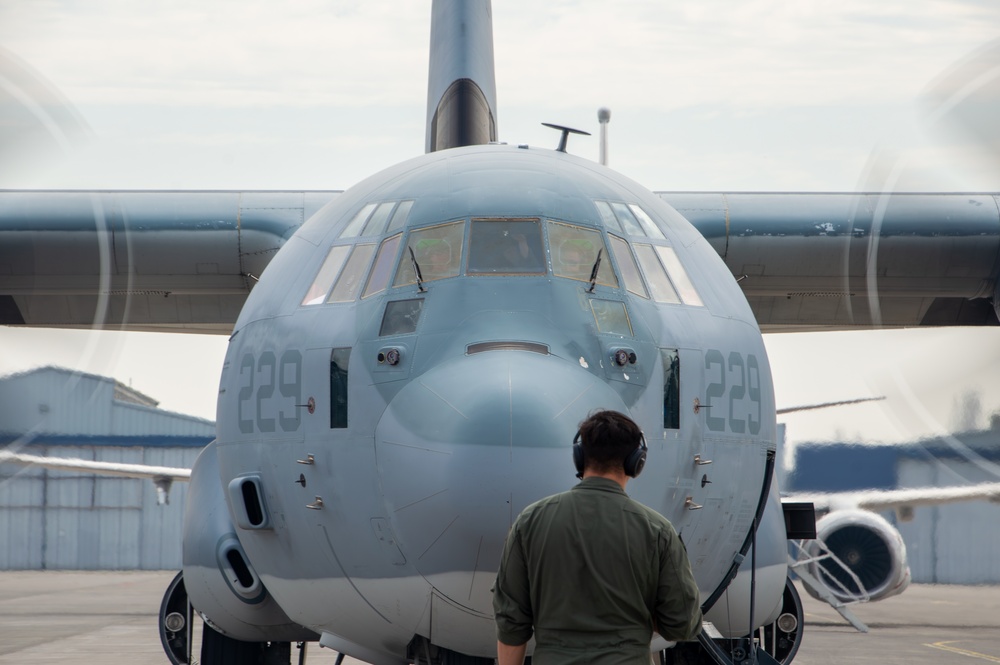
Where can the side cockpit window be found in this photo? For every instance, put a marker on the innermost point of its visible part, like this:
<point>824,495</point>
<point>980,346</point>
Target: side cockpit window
<point>678,276</point>
<point>668,281</point>
<point>506,247</point>
<point>374,219</point>
<point>382,271</point>
<point>575,251</point>
<point>628,218</point>
<point>349,281</point>
<point>628,267</point>
<point>316,295</point>
<point>345,267</point>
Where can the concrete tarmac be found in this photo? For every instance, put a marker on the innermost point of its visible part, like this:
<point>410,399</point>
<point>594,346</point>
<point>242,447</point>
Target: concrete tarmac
<point>72,617</point>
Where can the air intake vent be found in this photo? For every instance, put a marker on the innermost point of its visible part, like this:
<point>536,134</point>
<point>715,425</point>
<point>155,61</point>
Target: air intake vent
<point>507,346</point>
<point>251,500</point>
<point>238,572</point>
<point>243,575</point>
<point>246,495</point>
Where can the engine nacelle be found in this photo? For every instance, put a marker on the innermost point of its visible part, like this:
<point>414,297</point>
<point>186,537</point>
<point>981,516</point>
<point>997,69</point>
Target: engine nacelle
<point>220,580</point>
<point>867,546</point>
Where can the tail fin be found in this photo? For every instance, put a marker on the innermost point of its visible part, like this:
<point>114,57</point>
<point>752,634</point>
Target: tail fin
<point>461,86</point>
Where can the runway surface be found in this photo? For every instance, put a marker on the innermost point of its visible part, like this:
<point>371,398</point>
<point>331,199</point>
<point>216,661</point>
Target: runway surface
<point>71,617</point>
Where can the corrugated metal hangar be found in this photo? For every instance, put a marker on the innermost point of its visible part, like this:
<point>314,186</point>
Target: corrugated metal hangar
<point>73,520</point>
<point>946,544</point>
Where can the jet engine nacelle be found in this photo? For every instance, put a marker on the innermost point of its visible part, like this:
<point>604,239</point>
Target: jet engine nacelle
<point>864,544</point>
<point>220,580</point>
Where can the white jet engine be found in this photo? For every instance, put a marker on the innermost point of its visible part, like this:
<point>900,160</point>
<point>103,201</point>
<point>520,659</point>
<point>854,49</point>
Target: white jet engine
<point>868,559</point>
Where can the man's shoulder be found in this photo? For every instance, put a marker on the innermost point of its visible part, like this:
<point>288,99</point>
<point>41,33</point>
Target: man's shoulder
<point>540,506</point>
<point>652,517</point>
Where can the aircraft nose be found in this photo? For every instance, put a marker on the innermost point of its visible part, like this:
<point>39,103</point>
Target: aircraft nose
<point>464,447</point>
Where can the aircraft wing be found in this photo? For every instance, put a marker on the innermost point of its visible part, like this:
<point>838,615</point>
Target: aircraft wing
<point>814,261</point>
<point>163,261</point>
<point>162,476</point>
<point>901,499</point>
<point>185,260</point>
<point>100,468</point>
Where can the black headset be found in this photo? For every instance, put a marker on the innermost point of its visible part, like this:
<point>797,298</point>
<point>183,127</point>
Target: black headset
<point>633,463</point>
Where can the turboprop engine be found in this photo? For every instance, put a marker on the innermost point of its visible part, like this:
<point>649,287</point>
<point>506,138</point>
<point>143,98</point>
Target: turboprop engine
<point>869,556</point>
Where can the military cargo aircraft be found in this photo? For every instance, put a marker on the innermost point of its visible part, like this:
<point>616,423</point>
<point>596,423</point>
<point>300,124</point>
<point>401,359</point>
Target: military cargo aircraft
<point>408,362</point>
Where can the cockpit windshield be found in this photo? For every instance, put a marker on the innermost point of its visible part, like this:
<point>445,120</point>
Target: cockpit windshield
<point>574,254</point>
<point>647,265</point>
<point>506,246</point>
<point>437,251</point>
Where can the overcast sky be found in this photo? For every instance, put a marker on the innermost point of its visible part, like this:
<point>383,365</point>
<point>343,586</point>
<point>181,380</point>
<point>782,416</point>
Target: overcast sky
<point>716,95</point>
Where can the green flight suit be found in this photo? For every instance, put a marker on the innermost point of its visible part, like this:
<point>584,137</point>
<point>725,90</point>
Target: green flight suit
<point>591,573</point>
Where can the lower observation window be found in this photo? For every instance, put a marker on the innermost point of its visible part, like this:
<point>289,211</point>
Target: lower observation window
<point>401,317</point>
<point>611,317</point>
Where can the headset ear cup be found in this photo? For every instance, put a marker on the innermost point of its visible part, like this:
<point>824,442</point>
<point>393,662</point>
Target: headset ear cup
<point>578,460</point>
<point>636,460</point>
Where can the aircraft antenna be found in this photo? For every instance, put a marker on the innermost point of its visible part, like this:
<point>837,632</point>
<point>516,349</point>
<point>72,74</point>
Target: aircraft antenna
<point>566,131</point>
<point>593,271</point>
<point>604,117</point>
<point>416,270</point>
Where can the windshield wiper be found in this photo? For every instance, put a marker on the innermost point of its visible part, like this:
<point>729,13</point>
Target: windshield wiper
<point>416,270</point>
<point>593,272</point>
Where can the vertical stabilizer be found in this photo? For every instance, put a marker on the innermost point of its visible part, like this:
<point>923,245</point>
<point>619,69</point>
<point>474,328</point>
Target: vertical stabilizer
<point>461,86</point>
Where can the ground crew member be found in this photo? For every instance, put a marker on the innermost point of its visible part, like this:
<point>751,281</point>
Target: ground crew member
<point>590,572</point>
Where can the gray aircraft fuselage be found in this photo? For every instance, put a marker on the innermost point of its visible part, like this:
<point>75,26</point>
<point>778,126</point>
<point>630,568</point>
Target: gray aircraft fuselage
<point>389,430</point>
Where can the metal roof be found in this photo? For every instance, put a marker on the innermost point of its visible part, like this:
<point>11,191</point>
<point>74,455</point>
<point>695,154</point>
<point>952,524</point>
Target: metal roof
<point>62,406</point>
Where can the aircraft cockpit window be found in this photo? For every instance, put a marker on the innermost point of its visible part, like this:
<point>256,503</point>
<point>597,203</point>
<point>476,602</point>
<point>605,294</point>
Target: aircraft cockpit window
<point>656,275</point>
<point>375,226</point>
<point>437,251</point>
<point>671,388</point>
<point>384,261</point>
<point>506,247</point>
<point>327,273</point>
<point>574,254</point>
<point>401,317</point>
<point>679,276</point>
<point>399,217</point>
<point>611,317</point>
<point>628,267</point>
<point>349,282</point>
<point>627,219</point>
<point>354,226</point>
<point>647,223</point>
<point>608,217</point>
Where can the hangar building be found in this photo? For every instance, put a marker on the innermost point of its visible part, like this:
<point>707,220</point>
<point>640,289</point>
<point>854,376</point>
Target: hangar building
<point>77,521</point>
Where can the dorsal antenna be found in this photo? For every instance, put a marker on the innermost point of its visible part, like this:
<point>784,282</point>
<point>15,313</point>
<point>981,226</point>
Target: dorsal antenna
<point>566,131</point>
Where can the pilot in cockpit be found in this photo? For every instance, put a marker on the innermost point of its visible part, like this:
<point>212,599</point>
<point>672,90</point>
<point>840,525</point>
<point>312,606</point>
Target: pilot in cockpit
<point>435,258</point>
<point>575,258</point>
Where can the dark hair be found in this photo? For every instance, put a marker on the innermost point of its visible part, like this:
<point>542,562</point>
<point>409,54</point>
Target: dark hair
<point>608,437</point>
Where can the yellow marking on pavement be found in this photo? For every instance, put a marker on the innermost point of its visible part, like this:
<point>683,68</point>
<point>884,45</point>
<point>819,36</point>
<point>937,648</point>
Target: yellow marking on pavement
<point>965,652</point>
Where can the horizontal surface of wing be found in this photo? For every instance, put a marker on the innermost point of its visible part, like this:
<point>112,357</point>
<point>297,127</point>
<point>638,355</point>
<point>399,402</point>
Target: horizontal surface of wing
<point>817,261</point>
<point>884,500</point>
<point>180,261</point>
<point>185,261</point>
<point>99,468</point>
